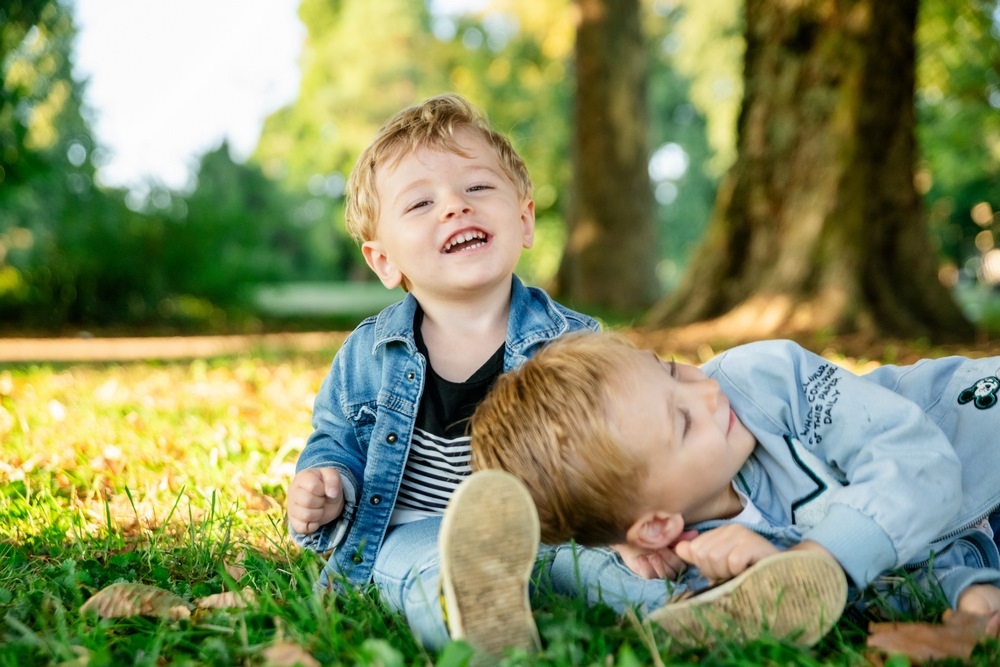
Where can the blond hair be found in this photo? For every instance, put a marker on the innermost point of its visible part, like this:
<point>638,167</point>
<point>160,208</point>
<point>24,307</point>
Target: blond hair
<point>550,423</point>
<point>431,124</point>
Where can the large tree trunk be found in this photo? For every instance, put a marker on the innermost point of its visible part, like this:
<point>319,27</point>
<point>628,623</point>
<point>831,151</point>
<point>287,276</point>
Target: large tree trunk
<point>818,226</point>
<point>611,250</point>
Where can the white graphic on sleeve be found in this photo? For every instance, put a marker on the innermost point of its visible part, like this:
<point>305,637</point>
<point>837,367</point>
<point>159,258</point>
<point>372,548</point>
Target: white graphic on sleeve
<point>808,510</point>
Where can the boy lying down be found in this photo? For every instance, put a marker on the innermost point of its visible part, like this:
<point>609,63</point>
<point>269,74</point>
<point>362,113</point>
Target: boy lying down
<point>765,449</point>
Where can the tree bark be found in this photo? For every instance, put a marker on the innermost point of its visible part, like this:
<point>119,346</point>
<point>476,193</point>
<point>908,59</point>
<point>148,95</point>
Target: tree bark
<point>818,226</point>
<point>611,250</point>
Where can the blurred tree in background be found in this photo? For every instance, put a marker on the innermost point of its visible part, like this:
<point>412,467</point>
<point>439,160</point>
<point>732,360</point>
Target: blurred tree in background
<point>611,251</point>
<point>74,254</point>
<point>818,224</point>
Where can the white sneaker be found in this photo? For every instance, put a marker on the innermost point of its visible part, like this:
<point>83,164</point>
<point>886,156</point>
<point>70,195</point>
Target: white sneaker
<point>795,595</point>
<point>488,543</point>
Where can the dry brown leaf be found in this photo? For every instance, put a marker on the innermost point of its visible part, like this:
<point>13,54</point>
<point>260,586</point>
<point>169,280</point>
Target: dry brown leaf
<point>227,600</point>
<point>126,599</point>
<point>236,569</point>
<point>954,637</point>
<point>286,654</point>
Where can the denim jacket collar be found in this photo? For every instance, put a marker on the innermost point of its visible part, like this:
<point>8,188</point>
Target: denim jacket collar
<point>531,318</point>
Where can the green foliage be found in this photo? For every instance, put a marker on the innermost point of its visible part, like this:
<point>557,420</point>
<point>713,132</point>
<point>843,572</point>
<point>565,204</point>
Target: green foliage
<point>18,94</point>
<point>685,200</point>
<point>237,230</point>
<point>958,107</point>
<point>707,47</point>
<point>362,62</point>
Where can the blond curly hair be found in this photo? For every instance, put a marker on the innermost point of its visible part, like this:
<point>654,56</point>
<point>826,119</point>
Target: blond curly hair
<point>431,124</point>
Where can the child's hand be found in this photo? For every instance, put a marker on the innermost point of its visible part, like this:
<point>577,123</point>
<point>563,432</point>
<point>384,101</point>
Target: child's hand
<point>980,599</point>
<point>724,552</point>
<point>315,498</point>
<point>661,564</point>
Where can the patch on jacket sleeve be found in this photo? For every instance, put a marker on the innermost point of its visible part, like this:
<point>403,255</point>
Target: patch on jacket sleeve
<point>812,506</point>
<point>983,394</point>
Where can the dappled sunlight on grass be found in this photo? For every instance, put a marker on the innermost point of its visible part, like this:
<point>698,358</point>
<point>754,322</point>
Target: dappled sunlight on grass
<point>134,441</point>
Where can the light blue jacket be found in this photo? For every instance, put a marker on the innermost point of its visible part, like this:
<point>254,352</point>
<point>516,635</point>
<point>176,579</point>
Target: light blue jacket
<point>886,470</point>
<point>366,408</point>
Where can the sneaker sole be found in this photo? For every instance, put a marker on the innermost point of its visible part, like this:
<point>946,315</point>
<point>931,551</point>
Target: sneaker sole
<point>488,542</point>
<point>792,595</point>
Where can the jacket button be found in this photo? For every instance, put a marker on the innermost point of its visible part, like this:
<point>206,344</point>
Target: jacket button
<point>376,499</point>
<point>411,376</point>
<point>358,559</point>
<point>391,438</point>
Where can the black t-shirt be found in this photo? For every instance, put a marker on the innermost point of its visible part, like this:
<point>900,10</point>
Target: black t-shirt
<point>440,456</point>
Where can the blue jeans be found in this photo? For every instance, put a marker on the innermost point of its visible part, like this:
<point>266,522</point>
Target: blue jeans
<point>407,571</point>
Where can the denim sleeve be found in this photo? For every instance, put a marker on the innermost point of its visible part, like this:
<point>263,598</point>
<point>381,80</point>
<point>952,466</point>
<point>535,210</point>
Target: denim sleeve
<point>948,571</point>
<point>884,456</point>
<point>334,444</point>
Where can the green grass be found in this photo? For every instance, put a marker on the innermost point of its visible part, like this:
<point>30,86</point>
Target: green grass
<point>173,475</point>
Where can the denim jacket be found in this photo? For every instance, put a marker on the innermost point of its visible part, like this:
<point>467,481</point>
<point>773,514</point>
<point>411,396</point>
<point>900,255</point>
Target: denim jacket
<point>365,410</point>
<point>886,470</point>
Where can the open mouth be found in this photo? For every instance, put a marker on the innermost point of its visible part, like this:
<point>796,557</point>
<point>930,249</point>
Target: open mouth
<point>466,241</point>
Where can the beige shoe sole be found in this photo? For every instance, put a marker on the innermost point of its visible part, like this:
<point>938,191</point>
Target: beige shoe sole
<point>792,595</point>
<point>489,542</point>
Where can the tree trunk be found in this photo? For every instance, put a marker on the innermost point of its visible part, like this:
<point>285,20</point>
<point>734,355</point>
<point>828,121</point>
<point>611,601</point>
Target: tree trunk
<point>818,225</point>
<point>611,250</point>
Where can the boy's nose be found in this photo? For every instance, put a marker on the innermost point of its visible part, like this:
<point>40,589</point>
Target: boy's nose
<point>710,391</point>
<point>456,206</point>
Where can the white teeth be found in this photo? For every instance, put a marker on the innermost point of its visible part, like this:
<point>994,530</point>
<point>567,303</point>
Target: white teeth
<point>464,238</point>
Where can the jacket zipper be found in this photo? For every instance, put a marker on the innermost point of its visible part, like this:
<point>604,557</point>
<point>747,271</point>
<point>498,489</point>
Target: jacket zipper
<point>954,533</point>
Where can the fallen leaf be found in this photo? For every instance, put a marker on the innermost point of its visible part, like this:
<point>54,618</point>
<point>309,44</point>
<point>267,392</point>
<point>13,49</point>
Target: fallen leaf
<point>954,637</point>
<point>236,570</point>
<point>285,654</point>
<point>227,600</point>
<point>127,599</point>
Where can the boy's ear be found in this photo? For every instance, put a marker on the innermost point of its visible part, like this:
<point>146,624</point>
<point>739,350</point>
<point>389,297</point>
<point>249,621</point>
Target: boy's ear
<point>528,224</point>
<point>655,530</point>
<point>380,263</point>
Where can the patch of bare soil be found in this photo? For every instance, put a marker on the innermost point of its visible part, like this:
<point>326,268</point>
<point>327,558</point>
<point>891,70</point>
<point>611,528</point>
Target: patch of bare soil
<point>696,342</point>
<point>702,341</point>
<point>23,350</point>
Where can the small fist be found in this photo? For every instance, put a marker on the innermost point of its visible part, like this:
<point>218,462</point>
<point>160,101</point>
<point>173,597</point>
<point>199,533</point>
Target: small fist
<point>315,498</point>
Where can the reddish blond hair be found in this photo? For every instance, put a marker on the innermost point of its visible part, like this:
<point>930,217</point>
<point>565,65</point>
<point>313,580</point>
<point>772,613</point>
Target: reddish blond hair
<point>550,423</point>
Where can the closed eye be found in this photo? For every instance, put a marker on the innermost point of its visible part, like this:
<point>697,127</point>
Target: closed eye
<point>420,204</point>
<point>479,188</point>
<point>687,421</point>
<point>685,414</point>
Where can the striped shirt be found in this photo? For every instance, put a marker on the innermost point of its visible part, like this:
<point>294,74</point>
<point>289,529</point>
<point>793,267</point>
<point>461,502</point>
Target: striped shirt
<point>440,456</point>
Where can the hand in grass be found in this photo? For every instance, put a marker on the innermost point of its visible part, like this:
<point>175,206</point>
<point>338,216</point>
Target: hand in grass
<point>724,552</point>
<point>315,498</point>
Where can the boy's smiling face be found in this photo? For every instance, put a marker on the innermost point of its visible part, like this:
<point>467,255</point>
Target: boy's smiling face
<point>677,420</point>
<point>448,224</point>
